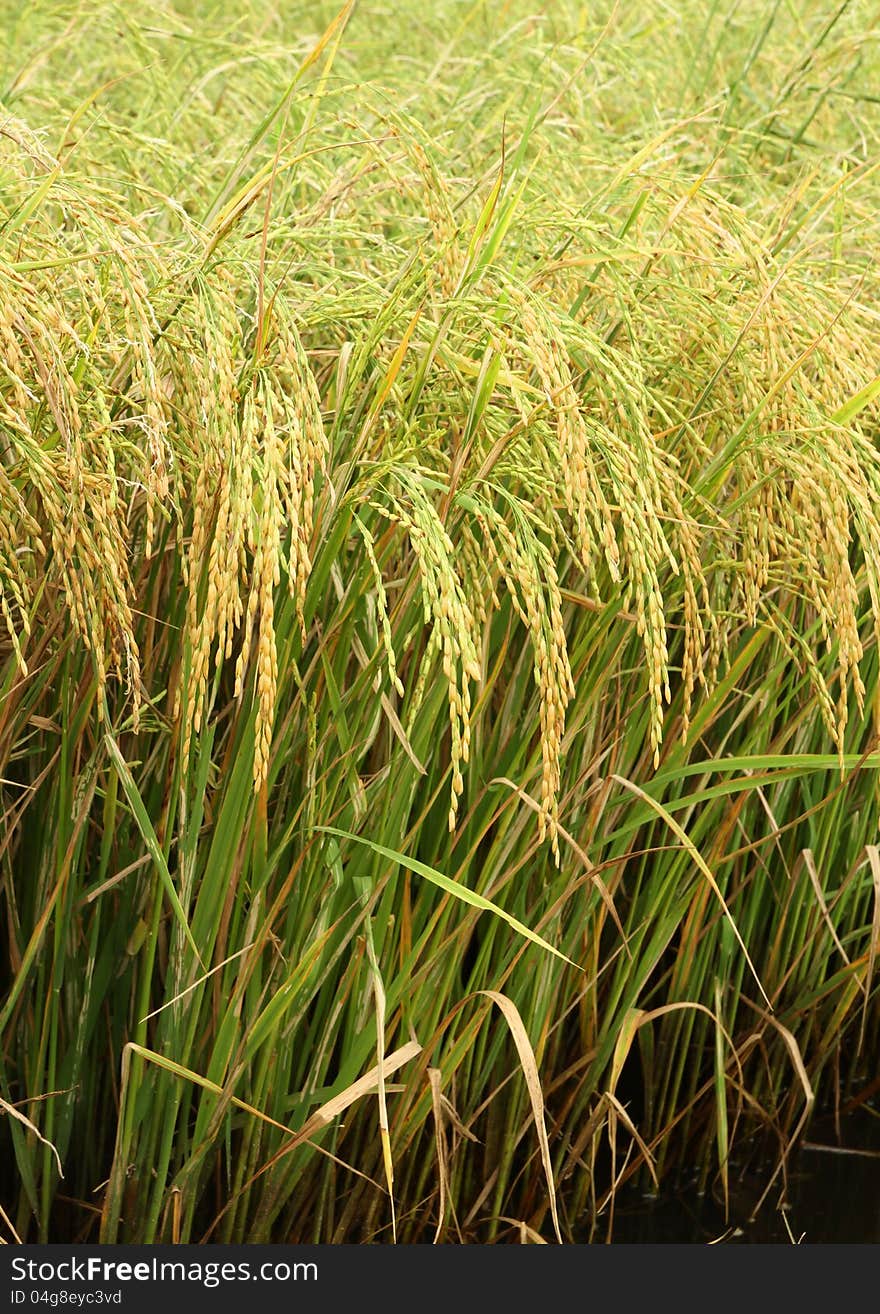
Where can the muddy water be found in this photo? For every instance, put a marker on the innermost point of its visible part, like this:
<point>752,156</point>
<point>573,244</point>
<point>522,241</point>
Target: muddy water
<point>833,1195</point>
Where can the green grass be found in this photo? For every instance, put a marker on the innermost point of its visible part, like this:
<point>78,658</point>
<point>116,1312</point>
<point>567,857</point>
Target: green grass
<point>440,580</point>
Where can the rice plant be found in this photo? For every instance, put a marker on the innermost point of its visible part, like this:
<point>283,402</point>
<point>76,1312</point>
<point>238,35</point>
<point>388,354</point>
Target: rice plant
<point>440,584</point>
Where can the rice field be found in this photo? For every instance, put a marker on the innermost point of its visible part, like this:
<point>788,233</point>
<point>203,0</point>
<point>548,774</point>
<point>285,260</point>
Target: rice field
<point>440,591</point>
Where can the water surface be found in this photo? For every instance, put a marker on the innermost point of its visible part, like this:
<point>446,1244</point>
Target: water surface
<point>832,1195</point>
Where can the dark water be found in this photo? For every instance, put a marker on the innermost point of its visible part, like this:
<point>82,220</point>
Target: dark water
<point>832,1195</point>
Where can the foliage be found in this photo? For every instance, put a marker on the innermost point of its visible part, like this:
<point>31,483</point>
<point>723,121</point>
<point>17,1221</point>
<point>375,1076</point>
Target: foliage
<point>440,574</point>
